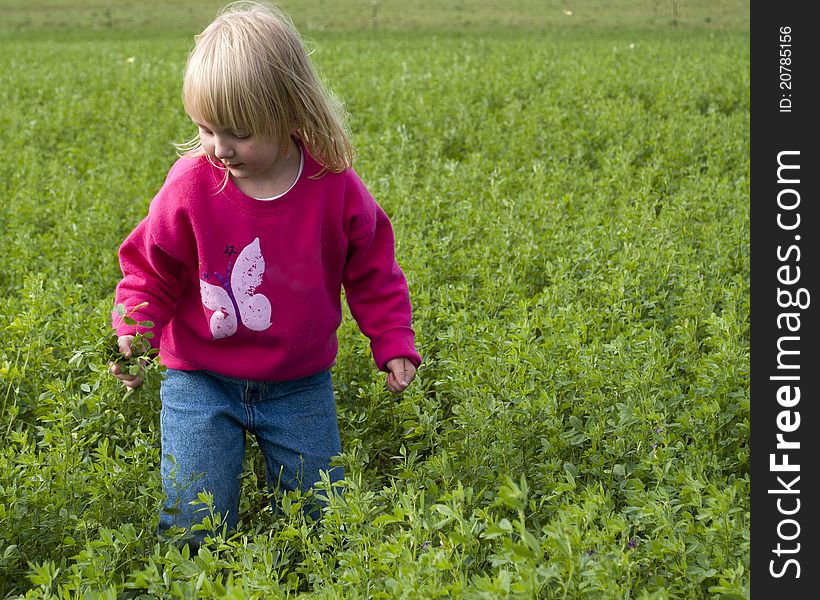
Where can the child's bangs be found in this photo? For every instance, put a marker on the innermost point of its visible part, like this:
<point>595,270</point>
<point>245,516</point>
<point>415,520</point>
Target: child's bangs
<point>220,103</point>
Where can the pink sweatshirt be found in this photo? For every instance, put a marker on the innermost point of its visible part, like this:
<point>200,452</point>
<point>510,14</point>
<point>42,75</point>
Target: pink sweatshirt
<point>252,289</point>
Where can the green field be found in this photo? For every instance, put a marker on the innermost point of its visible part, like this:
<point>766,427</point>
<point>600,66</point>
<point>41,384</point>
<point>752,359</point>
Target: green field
<point>571,209</point>
<point>393,15</point>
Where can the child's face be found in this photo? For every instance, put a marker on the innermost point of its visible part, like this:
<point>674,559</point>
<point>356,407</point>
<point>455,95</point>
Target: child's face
<point>251,159</point>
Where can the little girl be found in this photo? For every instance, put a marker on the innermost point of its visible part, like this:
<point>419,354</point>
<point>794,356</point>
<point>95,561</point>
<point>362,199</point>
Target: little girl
<point>240,264</point>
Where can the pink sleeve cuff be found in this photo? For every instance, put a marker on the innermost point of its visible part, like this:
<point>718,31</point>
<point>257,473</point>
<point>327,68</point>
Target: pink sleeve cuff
<point>395,343</point>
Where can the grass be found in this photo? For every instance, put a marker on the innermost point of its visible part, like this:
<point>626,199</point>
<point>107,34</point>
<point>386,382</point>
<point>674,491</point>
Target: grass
<point>572,214</point>
<point>391,15</point>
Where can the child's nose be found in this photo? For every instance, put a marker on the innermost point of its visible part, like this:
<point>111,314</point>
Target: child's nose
<point>222,150</point>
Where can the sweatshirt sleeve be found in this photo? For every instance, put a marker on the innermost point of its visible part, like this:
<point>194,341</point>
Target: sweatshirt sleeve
<point>375,286</point>
<point>151,281</point>
<point>153,273</point>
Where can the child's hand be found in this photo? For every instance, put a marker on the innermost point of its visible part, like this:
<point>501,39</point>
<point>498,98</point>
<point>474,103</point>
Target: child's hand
<point>402,373</point>
<point>120,371</point>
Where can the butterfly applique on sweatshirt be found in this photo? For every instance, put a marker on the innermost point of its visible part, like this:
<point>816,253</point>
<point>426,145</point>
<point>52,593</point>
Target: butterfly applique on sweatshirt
<point>235,300</point>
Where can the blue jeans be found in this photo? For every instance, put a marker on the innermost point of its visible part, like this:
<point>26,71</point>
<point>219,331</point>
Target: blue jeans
<point>203,422</point>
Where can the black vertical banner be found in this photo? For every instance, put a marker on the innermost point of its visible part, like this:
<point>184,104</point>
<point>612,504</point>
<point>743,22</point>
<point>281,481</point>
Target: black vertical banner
<point>785,271</point>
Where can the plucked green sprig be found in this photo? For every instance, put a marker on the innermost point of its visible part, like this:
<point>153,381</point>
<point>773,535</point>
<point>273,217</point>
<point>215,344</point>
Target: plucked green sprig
<point>99,354</point>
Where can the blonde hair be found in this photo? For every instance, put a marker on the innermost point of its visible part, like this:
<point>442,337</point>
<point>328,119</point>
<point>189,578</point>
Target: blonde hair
<point>250,71</point>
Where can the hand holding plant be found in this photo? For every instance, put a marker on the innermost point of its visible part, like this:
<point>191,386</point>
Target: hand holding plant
<point>130,358</point>
<point>131,375</point>
<point>131,355</point>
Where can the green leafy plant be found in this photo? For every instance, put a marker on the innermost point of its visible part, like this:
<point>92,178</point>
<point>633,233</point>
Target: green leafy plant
<point>99,354</point>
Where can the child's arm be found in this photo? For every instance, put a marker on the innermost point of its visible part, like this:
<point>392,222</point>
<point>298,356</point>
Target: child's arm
<point>149,289</point>
<point>150,286</point>
<point>378,297</point>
